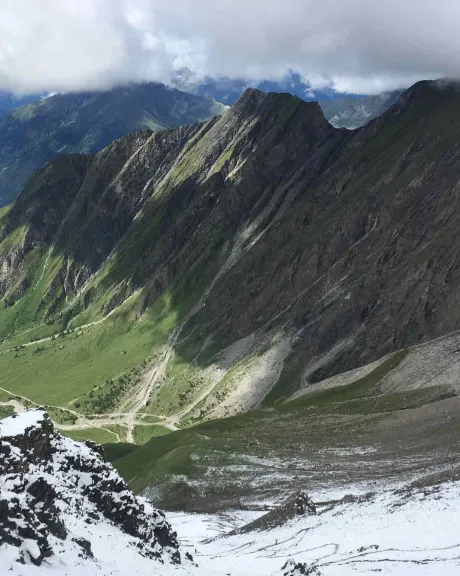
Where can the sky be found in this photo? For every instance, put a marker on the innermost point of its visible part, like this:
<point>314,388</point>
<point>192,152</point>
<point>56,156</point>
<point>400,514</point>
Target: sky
<point>355,46</point>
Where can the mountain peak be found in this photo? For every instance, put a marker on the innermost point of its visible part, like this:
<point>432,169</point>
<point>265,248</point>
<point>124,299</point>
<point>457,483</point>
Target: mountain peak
<point>423,98</point>
<point>248,102</point>
<point>279,104</point>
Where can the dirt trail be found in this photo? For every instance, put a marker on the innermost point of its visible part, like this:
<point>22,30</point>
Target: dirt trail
<point>88,421</point>
<point>153,378</point>
<point>77,329</point>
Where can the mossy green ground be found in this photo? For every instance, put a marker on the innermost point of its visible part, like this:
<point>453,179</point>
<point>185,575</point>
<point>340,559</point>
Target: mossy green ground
<point>143,434</point>
<point>120,429</point>
<point>5,396</point>
<point>114,451</point>
<point>148,418</point>
<point>98,435</point>
<point>6,411</point>
<point>58,371</point>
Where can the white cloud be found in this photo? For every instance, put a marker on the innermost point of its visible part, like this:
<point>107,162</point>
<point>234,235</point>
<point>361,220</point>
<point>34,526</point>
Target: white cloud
<point>353,45</point>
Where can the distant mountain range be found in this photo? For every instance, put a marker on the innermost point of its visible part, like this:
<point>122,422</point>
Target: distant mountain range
<point>354,113</point>
<point>34,134</point>
<point>9,101</point>
<point>342,110</point>
<point>228,90</point>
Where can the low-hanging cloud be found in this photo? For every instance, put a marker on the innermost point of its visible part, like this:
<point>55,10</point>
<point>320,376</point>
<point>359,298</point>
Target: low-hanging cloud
<point>351,45</point>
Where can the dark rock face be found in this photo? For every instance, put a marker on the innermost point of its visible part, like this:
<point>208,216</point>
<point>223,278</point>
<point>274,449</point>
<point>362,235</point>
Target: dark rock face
<point>304,505</point>
<point>291,568</point>
<point>296,505</point>
<point>363,252</point>
<point>40,472</point>
<point>18,452</point>
<point>85,546</point>
<point>19,523</point>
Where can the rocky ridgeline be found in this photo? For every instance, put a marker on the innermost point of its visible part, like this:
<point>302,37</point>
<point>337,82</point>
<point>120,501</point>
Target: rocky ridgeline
<point>53,489</point>
<point>292,568</point>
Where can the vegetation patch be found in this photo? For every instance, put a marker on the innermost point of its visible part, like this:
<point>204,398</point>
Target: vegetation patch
<point>73,364</point>
<point>144,433</point>
<point>120,429</point>
<point>61,416</point>
<point>183,381</point>
<point>5,396</point>
<point>6,411</point>
<point>98,435</point>
<point>115,451</point>
<point>149,418</point>
<point>107,397</point>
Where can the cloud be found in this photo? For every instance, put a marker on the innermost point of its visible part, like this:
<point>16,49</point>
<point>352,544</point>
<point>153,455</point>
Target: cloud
<point>362,46</point>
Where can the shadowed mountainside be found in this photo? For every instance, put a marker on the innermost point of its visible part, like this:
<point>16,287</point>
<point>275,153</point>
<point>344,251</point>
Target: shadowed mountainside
<point>34,134</point>
<point>268,249</point>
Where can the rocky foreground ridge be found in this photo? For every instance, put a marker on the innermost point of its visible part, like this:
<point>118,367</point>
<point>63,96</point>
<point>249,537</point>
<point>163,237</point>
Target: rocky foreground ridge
<point>53,491</point>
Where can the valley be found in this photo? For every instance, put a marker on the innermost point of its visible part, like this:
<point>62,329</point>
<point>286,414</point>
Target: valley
<point>229,288</point>
<point>209,270</point>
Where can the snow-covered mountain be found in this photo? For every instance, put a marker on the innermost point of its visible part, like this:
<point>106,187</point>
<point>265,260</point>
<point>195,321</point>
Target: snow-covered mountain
<point>65,511</point>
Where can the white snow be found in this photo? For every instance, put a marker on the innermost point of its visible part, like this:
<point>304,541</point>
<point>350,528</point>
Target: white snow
<point>418,535</point>
<point>15,426</point>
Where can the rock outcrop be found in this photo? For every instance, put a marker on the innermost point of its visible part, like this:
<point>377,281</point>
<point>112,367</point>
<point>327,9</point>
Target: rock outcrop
<point>297,505</point>
<point>292,568</point>
<point>51,485</point>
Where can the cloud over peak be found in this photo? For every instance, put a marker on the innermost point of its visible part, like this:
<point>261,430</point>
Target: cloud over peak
<point>351,45</point>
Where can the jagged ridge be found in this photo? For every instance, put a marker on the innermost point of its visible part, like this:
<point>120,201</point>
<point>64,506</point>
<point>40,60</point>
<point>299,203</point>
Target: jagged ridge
<point>52,488</point>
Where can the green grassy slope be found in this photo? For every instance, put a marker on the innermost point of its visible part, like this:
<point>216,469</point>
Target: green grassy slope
<point>59,371</point>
